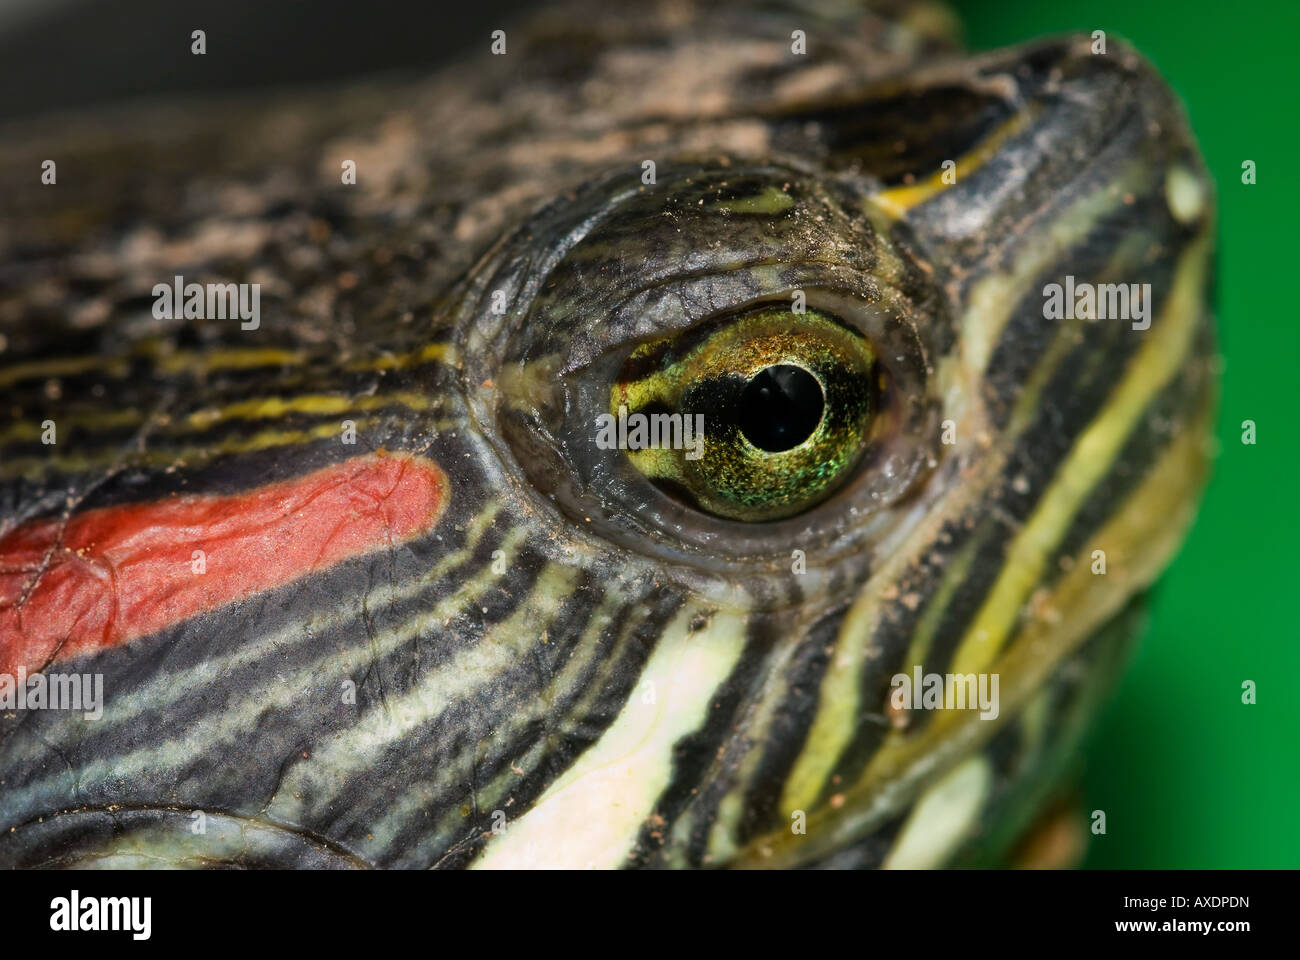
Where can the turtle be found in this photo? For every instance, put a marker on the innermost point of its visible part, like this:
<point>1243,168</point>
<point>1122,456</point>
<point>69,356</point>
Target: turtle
<point>700,435</point>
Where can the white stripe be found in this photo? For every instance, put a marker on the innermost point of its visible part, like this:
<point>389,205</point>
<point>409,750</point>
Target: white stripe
<point>945,815</point>
<point>591,815</point>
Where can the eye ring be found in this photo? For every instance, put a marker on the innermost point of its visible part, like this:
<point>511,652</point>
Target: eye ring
<point>537,374</point>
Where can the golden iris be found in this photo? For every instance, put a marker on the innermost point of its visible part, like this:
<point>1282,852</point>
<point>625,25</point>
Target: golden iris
<point>784,399</point>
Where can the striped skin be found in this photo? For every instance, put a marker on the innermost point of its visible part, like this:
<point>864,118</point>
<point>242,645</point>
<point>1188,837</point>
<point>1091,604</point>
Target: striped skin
<point>570,668</point>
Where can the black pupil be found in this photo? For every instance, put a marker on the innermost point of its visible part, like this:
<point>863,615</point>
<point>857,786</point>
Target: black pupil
<point>781,407</point>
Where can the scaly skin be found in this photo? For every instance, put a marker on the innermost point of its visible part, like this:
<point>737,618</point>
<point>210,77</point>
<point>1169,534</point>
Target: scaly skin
<point>471,638</point>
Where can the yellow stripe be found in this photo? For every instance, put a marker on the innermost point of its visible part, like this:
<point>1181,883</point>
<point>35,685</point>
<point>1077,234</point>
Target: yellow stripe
<point>60,367</point>
<point>898,200</point>
<point>29,431</point>
<point>771,201</point>
<point>35,467</point>
<point>269,408</point>
<point>954,576</point>
<point>198,363</point>
<point>166,360</point>
<point>258,408</point>
<point>441,352</point>
<point>1091,458</point>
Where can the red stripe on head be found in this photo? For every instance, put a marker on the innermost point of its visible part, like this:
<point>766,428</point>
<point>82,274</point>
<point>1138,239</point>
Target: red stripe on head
<point>123,572</point>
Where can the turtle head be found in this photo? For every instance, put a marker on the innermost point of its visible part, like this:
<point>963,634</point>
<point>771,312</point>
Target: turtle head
<point>702,438</point>
<point>924,392</point>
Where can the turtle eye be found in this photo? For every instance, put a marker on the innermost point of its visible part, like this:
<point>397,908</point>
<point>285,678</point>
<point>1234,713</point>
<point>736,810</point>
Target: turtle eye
<point>750,417</point>
<point>708,381</point>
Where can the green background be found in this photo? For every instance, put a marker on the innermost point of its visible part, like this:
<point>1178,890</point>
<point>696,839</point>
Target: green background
<point>1189,776</point>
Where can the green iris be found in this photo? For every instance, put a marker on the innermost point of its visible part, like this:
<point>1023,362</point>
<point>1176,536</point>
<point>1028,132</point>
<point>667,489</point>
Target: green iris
<point>785,401</point>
